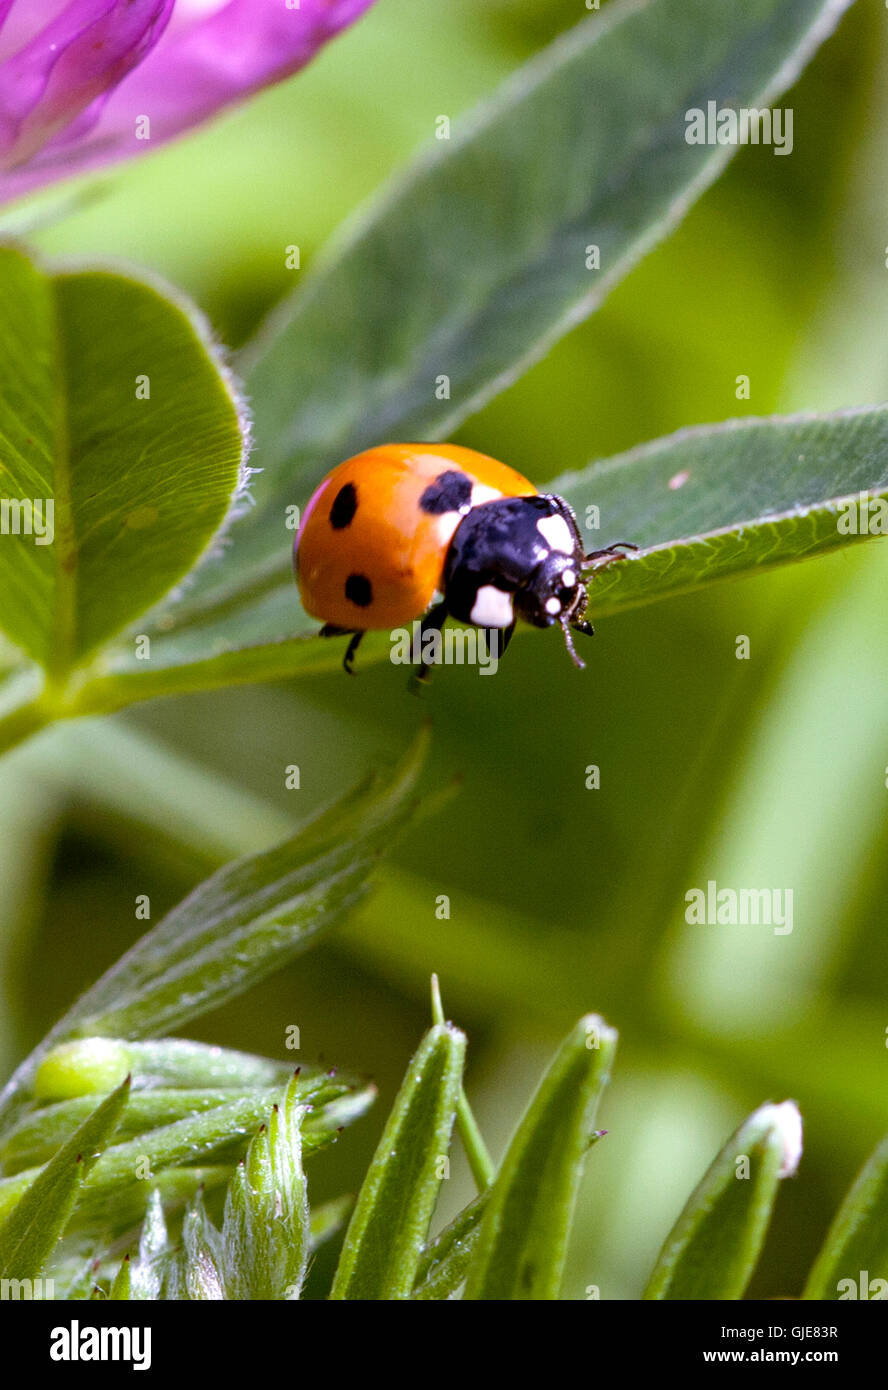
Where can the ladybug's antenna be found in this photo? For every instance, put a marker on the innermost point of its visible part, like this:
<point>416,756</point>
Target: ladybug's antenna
<point>571,650</point>
<point>597,559</point>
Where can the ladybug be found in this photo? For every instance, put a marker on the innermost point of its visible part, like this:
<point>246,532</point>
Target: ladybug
<point>406,531</point>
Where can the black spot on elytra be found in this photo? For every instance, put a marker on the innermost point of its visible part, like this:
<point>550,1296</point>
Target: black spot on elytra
<point>448,493</point>
<point>345,504</point>
<point>359,590</point>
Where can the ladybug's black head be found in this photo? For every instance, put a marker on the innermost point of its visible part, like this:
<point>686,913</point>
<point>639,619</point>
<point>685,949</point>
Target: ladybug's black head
<point>554,591</point>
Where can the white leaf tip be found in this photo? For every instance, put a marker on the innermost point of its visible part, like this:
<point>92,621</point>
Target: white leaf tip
<point>786,1119</point>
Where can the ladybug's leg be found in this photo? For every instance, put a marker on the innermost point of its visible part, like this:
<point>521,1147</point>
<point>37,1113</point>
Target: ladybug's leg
<point>432,622</point>
<point>348,661</point>
<point>331,630</point>
<point>502,636</point>
<point>585,627</point>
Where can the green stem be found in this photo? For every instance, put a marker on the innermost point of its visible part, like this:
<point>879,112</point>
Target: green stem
<point>20,723</point>
<point>480,1162</point>
<point>271,661</point>
<point>106,693</point>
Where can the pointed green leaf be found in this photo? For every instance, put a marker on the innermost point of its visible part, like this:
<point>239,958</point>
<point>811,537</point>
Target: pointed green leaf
<point>121,1288</point>
<point>147,1269</point>
<point>116,1189</point>
<point>265,1231</point>
<point>247,920</point>
<point>224,1130</point>
<point>712,1249</point>
<point>333,1104</point>
<point>188,1141</point>
<point>723,500</point>
<point>445,1260</point>
<point>250,918</point>
<point>116,1216</point>
<point>388,1229</point>
<point>120,453</point>
<point>33,1226</point>
<point>37,1137</point>
<point>856,1245</point>
<point>200,1257</point>
<point>522,1245</point>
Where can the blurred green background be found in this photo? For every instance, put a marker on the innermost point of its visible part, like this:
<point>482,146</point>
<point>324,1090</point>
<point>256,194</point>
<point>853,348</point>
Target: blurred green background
<point>768,772</point>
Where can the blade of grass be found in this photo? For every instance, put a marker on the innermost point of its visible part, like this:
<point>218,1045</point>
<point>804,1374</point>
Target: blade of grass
<point>856,1245</point>
<point>522,1244</point>
<point>33,1227</point>
<point>712,1249</point>
<point>245,921</point>
<point>388,1229</point>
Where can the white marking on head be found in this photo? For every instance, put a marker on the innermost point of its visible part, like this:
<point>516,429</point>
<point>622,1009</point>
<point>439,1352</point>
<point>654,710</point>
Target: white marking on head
<point>552,605</point>
<point>569,578</point>
<point>556,532</point>
<point>492,608</point>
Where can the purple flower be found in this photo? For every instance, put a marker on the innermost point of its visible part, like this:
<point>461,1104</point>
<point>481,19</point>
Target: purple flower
<point>88,82</point>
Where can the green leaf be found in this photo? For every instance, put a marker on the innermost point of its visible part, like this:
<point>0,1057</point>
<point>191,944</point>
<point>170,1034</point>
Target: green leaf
<point>856,1245</point>
<point>73,1275</point>
<point>37,1136</point>
<point>265,1230</point>
<point>249,918</point>
<point>722,500</point>
<point>388,1229</point>
<point>34,1225</point>
<point>115,1217</point>
<point>196,1275</point>
<point>445,1260</point>
<point>712,1249</point>
<point>147,1269</point>
<point>475,262</point>
<point>219,1134</point>
<point>704,504</point>
<point>522,1245</point>
<point>136,487</point>
<point>121,1288</point>
<point>236,928</point>
<point>189,1141</point>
